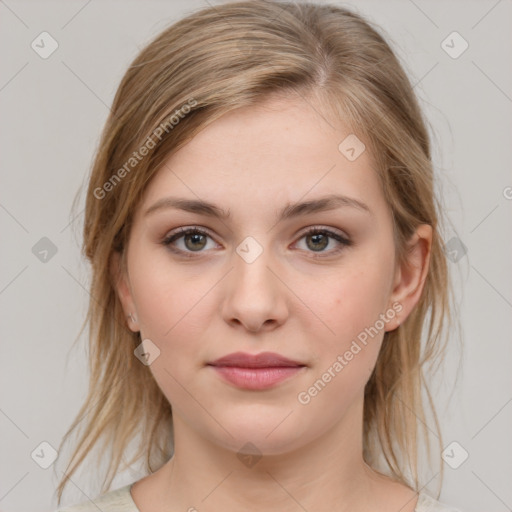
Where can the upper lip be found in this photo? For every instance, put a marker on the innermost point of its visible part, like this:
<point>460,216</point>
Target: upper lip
<point>262,360</point>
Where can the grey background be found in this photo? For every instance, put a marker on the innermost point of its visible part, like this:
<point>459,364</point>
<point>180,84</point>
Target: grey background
<point>52,112</point>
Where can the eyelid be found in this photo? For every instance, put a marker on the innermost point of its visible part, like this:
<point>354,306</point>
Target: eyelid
<point>319,227</point>
<point>304,231</point>
<point>184,230</point>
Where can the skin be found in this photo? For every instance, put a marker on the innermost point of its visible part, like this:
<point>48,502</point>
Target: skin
<point>257,160</point>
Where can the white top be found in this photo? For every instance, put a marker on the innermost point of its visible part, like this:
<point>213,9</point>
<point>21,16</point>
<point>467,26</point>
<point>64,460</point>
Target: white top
<point>120,500</point>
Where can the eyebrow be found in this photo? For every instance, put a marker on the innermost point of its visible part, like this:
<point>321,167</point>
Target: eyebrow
<point>321,204</point>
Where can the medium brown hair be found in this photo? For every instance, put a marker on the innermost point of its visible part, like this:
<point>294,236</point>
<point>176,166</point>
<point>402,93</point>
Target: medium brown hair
<point>216,60</point>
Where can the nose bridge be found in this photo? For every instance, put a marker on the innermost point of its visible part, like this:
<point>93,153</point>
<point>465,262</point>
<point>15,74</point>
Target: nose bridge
<point>254,295</point>
<point>251,264</point>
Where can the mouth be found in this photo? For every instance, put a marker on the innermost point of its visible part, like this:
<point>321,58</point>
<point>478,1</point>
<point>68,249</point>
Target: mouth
<point>256,372</point>
<point>262,360</point>
<point>256,378</point>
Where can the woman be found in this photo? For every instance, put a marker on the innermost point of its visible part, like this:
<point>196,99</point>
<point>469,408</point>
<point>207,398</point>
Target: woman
<point>266,251</point>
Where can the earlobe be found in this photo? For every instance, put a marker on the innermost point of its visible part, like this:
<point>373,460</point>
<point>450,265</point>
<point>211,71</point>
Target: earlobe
<point>412,273</point>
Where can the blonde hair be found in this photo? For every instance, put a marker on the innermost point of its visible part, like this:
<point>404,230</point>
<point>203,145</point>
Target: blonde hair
<point>216,60</point>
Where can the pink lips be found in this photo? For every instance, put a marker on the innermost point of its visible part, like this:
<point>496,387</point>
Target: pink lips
<point>260,371</point>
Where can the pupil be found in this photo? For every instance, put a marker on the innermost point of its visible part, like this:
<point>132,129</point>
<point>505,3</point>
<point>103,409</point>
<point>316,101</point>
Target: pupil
<point>316,238</point>
<point>195,238</point>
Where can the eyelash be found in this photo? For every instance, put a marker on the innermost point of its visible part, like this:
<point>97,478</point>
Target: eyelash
<point>168,240</point>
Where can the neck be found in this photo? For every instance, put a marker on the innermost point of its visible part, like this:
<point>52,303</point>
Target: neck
<point>329,472</point>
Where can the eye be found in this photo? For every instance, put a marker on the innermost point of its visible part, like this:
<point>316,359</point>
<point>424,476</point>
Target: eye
<point>191,240</point>
<point>187,241</point>
<point>317,239</point>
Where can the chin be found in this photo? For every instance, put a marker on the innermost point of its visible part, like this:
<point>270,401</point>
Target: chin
<point>264,434</point>
<point>260,445</point>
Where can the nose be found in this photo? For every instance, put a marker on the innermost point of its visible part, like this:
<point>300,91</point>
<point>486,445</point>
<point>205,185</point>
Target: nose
<point>256,294</point>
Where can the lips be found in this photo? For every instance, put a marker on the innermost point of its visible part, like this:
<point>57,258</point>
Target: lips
<point>262,360</point>
<point>256,372</point>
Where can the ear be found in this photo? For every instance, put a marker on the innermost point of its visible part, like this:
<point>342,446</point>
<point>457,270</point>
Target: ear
<point>122,285</point>
<point>410,276</point>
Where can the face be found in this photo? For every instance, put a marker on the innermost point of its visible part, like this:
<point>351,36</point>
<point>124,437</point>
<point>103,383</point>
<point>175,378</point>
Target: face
<point>254,280</point>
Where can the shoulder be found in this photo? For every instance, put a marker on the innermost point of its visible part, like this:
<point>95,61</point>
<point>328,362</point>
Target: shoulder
<point>428,504</point>
<point>118,500</point>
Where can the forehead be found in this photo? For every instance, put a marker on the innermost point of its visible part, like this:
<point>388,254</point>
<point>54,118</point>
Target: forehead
<point>282,150</point>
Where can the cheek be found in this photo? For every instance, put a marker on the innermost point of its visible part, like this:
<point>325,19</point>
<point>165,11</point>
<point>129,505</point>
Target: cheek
<point>171,309</point>
<point>347,301</point>
<point>346,353</point>
<point>168,300</point>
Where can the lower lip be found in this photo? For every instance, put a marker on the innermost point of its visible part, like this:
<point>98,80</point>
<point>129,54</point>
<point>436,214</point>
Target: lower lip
<point>256,378</point>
